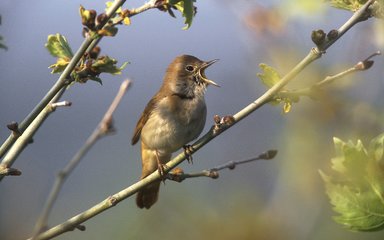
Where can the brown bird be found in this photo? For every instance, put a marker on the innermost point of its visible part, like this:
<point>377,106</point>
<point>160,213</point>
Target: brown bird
<point>173,117</point>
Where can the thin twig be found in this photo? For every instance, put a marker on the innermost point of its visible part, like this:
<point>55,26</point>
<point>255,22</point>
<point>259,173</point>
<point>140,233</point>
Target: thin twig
<point>103,128</point>
<point>309,91</point>
<point>111,201</point>
<point>178,175</point>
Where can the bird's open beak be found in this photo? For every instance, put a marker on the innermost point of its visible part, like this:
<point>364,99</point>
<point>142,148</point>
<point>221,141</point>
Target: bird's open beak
<point>204,66</point>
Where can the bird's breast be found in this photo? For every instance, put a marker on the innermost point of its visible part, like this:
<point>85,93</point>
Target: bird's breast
<point>173,123</point>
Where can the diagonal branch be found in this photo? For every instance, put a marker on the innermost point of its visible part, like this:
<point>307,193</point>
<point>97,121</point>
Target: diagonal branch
<point>215,131</point>
<point>104,127</point>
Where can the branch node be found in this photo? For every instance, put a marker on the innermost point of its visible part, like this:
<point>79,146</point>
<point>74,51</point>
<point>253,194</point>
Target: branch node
<point>177,175</point>
<point>222,123</point>
<point>14,127</point>
<point>270,154</point>
<point>231,165</point>
<point>6,171</point>
<point>213,174</point>
<point>112,200</point>
<point>81,227</point>
<point>106,126</point>
<point>318,37</point>
<point>60,104</point>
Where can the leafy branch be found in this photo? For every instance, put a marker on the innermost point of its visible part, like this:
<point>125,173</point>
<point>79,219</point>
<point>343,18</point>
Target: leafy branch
<point>84,64</point>
<point>288,97</point>
<point>221,125</point>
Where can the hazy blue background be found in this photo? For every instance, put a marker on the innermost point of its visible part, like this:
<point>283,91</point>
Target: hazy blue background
<point>279,199</point>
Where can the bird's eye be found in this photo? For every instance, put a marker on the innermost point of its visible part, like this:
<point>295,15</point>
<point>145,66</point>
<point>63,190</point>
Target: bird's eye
<point>189,68</point>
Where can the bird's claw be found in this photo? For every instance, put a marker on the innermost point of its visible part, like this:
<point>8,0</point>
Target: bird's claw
<point>188,149</point>
<point>161,168</point>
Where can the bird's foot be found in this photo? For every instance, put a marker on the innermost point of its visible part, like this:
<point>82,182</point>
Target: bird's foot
<point>188,149</point>
<point>162,168</point>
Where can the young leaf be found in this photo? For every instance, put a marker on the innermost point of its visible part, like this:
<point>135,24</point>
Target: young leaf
<point>187,9</point>
<point>270,76</point>
<point>59,66</point>
<point>376,148</point>
<point>107,65</point>
<point>287,106</point>
<point>377,8</point>
<point>356,187</point>
<point>58,46</point>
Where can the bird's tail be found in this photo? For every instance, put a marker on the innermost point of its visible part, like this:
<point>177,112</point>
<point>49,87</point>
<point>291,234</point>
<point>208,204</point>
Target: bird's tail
<point>148,195</point>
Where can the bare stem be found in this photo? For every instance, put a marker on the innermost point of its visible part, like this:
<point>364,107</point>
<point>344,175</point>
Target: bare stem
<point>103,128</point>
<point>180,176</point>
<point>111,201</point>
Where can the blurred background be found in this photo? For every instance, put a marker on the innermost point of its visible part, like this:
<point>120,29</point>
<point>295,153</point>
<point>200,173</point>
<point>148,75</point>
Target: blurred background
<point>279,199</point>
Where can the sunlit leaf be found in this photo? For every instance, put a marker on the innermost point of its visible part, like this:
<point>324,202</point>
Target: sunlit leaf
<point>127,21</point>
<point>58,46</point>
<point>376,148</point>
<point>287,106</point>
<point>107,65</point>
<point>187,9</point>
<point>269,76</point>
<point>356,187</point>
<point>59,66</point>
<point>377,7</point>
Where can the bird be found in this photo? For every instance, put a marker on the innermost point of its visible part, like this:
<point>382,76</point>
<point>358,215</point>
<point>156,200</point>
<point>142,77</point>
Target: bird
<point>174,116</point>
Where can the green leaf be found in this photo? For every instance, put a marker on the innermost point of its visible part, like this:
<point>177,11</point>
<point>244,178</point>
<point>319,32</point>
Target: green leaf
<point>377,7</point>
<point>376,148</point>
<point>187,9</point>
<point>58,46</point>
<point>59,66</point>
<point>287,105</point>
<point>270,76</point>
<point>356,186</point>
<point>107,65</point>
<point>350,5</point>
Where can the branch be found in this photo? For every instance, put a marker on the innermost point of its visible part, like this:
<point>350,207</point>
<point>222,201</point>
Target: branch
<point>360,66</point>
<point>178,175</point>
<point>64,80</point>
<point>24,139</point>
<point>215,130</point>
<point>104,127</point>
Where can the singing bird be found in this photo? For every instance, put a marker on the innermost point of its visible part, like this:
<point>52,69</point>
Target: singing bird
<point>174,116</point>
